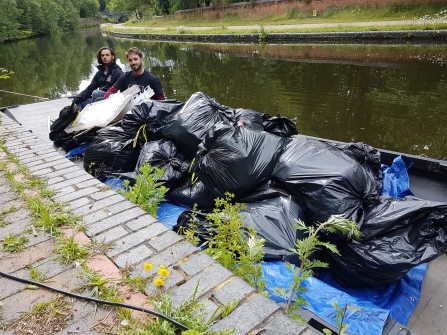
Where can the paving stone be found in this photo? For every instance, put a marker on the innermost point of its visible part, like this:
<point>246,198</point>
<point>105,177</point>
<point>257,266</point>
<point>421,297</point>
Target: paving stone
<point>9,287</point>
<point>33,240</point>
<point>23,301</point>
<point>252,312</point>
<point>209,309</point>
<point>205,281</point>
<point>16,228</point>
<point>51,266</point>
<point>114,220</point>
<point>43,172</point>
<point>170,255</point>
<point>100,204</point>
<point>164,240</point>
<point>120,206</point>
<point>75,195</point>
<point>68,173</point>
<point>235,289</point>
<point>141,222</point>
<point>7,204</point>
<point>40,163</point>
<point>102,194</point>
<point>79,179</point>
<point>282,325</point>
<point>79,203</point>
<point>94,218</point>
<point>64,191</point>
<point>32,165</point>
<point>133,239</point>
<point>10,262</point>
<point>111,235</point>
<point>133,256</point>
<point>55,180</point>
<point>196,263</point>
<point>89,182</point>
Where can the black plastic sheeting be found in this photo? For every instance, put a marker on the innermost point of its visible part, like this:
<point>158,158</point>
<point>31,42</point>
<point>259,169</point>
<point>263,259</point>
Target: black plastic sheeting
<point>273,220</point>
<point>325,180</point>
<point>164,154</point>
<point>111,151</point>
<point>397,235</point>
<point>236,159</point>
<point>149,117</point>
<point>190,125</point>
<point>188,195</point>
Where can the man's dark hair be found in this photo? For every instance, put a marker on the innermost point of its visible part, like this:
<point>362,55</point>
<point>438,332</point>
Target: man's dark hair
<point>134,50</point>
<point>98,55</point>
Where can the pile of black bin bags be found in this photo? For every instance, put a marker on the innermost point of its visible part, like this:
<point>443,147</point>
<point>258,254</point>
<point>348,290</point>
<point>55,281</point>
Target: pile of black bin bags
<point>208,149</point>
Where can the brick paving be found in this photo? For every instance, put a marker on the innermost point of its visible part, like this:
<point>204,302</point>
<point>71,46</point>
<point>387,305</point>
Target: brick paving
<point>136,238</point>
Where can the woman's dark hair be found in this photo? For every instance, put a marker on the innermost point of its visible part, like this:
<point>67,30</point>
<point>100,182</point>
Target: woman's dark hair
<point>98,56</point>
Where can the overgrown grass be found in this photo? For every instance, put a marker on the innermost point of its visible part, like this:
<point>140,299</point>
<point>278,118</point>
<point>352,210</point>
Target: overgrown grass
<point>348,14</point>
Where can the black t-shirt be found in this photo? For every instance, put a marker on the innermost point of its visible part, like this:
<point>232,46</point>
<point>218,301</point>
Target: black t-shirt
<point>146,79</point>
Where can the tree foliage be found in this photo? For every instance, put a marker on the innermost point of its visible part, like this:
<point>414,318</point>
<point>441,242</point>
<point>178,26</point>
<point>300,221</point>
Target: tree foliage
<point>24,18</point>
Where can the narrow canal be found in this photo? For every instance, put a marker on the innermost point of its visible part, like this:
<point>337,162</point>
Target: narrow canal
<point>388,96</point>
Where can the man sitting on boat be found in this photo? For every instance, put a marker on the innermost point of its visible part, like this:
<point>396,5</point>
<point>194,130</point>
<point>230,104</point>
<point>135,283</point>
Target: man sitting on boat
<point>108,73</point>
<point>138,76</point>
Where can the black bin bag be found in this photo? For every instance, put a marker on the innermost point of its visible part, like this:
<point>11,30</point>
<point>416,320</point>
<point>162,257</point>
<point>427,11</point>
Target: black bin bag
<point>369,158</point>
<point>279,125</point>
<point>148,118</point>
<point>249,118</point>
<point>324,180</point>
<point>164,154</point>
<point>188,195</point>
<point>273,219</point>
<point>236,159</point>
<point>111,151</point>
<point>190,125</point>
<point>397,235</point>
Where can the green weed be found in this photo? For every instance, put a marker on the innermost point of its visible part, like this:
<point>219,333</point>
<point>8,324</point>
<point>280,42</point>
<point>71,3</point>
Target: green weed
<point>70,251</point>
<point>14,243</point>
<point>147,192</point>
<point>340,318</point>
<point>4,223</point>
<point>305,248</point>
<point>36,275</point>
<point>227,244</point>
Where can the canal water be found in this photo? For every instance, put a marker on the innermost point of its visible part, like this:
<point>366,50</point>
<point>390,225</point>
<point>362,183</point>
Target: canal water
<point>388,96</point>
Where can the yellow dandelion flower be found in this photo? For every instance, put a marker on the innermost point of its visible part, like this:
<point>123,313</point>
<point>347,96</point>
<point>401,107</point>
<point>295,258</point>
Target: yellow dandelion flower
<point>159,282</point>
<point>163,272</point>
<point>147,266</point>
<point>162,267</point>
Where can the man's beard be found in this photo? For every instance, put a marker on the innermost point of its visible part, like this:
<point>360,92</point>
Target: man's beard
<point>137,69</point>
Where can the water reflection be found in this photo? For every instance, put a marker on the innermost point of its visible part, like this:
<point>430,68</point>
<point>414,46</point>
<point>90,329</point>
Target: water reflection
<point>387,96</point>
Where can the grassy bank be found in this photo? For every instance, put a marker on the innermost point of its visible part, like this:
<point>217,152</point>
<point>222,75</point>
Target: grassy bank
<point>421,17</point>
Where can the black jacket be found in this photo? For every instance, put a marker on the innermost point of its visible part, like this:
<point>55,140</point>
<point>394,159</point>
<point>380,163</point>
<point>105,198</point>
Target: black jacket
<point>101,81</point>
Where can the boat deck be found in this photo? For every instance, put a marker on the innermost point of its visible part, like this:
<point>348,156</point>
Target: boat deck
<point>430,316</point>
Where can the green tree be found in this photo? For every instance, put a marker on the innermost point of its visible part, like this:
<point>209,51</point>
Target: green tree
<point>9,23</point>
<point>134,6</point>
<point>89,8</point>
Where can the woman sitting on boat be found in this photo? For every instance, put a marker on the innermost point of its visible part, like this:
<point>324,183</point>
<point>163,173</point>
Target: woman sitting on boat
<point>108,73</point>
